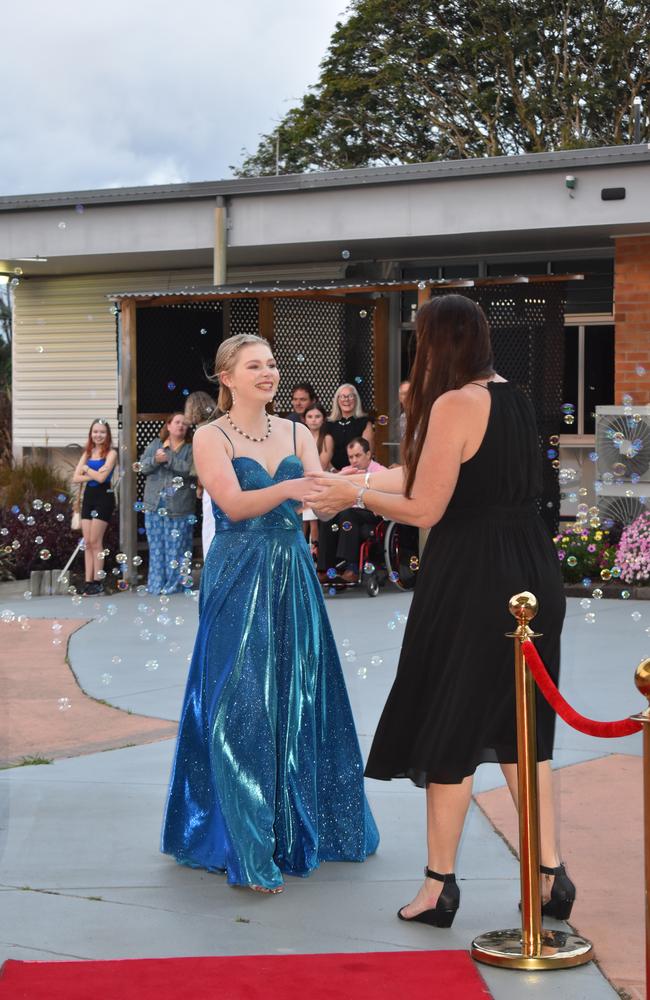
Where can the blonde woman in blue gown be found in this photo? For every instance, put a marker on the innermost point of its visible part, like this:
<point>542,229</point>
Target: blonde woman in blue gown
<point>267,778</point>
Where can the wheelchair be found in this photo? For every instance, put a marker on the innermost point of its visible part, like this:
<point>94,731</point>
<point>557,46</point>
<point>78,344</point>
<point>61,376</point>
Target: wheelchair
<point>389,552</point>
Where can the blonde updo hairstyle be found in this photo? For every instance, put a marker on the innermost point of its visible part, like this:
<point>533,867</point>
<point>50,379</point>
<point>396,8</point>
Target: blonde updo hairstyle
<point>225,362</point>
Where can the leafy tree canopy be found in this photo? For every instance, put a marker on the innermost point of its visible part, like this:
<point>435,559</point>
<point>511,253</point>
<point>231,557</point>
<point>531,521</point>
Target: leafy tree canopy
<point>406,81</point>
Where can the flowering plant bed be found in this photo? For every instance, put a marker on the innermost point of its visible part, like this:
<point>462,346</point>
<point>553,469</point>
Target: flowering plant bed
<point>587,554</point>
<point>633,552</point>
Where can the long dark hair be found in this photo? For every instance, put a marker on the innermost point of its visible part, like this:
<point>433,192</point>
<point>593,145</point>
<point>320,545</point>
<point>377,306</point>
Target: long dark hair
<point>323,427</point>
<point>452,348</point>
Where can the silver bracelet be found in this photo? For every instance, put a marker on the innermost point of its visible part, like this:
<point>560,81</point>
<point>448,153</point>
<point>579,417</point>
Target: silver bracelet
<point>358,503</point>
<point>366,481</point>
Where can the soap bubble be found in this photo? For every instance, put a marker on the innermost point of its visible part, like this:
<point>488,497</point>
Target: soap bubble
<point>162,512</point>
<point>414,563</point>
<point>394,576</point>
<point>597,594</point>
<point>56,626</point>
<point>64,704</point>
<point>640,370</point>
<point>331,573</point>
<point>422,285</point>
<point>363,313</point>
<point>358,379</point>
<point>177,482</point>
<point>571,561</point>
<point>137,560</point>
<point>376,661</point>
<point>171,386</point>
<point>347,526</point>
<point>106,678</point>
<point>585,603</point>
<point>203,332</point>
<point>27,595</point>
<point>627,399</point>
<point>625,594</point>
<point>554,440</point>
<point>116,659</point>
<point>593,456</point>
<point>350,654</point>
<point>391,625</point>
<point>569,418</point>
<point>345,643</point>
<point>37,504</point>
<point>137,466</point>
<point>179,621</point>
<point>345,254</point>
<point>61,225</point>
<point>590,617</point>
<point>45,554</point>
<point>300,358</point>
<point>368,568</point>
<point>138,506</point>
<point>121,557</point>
<point>362,672</point>
<point>382,420</point>
<point>605,574</point>
<point>151,665</point>
<point>636,616</point>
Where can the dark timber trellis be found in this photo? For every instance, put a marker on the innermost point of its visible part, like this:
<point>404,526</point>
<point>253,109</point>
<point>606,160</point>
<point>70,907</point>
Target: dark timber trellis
<point>325,334</point>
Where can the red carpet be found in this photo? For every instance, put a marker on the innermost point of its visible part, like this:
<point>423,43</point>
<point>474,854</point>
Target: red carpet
<point>416,975</point>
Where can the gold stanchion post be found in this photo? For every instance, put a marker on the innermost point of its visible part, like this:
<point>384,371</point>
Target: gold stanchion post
<point>532,946</point>
<point>642,681</point>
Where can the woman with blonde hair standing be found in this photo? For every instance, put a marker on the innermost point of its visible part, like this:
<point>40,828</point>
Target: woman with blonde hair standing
<point>267,778</point>
<point>347,421</point>
<point>95,469</point>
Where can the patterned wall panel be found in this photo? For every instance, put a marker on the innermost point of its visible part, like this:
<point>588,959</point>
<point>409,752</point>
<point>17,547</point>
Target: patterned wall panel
<point>527,324</point>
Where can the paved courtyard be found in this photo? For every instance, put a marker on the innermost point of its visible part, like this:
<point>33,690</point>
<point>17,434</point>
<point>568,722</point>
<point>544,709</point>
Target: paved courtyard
<point>81,873</point>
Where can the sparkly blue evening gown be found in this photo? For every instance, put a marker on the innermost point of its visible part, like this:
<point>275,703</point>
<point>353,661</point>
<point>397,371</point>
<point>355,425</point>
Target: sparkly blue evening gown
<point>267,776</point>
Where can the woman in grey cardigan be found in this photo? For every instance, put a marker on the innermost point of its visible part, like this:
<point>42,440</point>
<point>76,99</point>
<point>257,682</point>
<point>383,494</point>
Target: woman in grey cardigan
<point>169,501</point>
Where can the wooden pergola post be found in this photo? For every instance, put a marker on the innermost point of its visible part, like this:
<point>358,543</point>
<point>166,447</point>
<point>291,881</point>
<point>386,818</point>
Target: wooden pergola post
<point>128,440</point>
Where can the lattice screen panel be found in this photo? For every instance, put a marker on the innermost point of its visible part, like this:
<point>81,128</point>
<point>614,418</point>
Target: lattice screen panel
<point>244,316</point>
<point>527,324</point>
<point>324,343</point>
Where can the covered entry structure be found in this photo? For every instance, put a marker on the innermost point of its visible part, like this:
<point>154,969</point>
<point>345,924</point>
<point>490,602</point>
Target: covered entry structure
<point>324,333</point>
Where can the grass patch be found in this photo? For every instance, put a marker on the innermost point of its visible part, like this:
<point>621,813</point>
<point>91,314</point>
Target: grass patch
<point>27,762</point>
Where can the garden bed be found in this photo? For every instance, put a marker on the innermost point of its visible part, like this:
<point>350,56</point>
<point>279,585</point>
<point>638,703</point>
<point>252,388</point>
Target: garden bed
<point>609,589</point>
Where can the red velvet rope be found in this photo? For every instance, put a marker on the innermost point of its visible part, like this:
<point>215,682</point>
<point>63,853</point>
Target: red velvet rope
<point>591,727</point>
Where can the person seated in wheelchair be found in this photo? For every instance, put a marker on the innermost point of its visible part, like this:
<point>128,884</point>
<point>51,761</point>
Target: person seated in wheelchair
<point>341,538</point>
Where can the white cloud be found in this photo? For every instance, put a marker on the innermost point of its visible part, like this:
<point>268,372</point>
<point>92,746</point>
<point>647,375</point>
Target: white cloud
<point>143,93</point>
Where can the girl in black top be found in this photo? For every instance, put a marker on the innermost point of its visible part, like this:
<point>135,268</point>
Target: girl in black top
<point>347,421</point>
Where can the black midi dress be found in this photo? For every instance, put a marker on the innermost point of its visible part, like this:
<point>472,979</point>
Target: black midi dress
<point>452,705</point>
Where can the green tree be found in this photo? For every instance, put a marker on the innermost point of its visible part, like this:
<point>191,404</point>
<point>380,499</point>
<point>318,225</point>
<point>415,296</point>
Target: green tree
<point>407,81</point>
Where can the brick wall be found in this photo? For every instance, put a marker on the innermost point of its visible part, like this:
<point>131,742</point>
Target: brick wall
<point>632,318</point>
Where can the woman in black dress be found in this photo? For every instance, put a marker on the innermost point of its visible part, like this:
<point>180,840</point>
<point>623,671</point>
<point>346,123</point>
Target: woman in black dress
<point>472,472</point>
<point>347,421</point>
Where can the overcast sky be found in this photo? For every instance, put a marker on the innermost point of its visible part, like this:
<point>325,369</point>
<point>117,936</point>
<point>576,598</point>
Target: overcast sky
<point>141,92</point>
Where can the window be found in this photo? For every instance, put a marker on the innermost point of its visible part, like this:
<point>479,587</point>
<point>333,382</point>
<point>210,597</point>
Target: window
<point>588,375</point>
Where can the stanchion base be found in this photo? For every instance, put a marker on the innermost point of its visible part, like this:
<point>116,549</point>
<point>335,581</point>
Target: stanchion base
<point>558,950</point>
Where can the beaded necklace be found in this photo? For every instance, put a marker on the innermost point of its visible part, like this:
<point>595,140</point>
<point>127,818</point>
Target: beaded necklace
<point>249,437</point>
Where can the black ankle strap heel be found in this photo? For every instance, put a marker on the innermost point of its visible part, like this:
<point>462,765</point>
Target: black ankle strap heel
<point>563,893</point>
<point>442,915</point>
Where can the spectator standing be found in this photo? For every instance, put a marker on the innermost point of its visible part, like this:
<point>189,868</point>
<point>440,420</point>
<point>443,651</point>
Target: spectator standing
<point>200,408</point>
<point>94,471</point>
<point>302,396</point>
<point>403,393</point>
<point>347,421</point>
<point>168,503</point>
<point>316,420</point>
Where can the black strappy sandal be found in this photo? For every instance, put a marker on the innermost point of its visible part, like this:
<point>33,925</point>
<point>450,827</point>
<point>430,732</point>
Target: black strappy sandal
<point>563,894</point>
<point>442,915</point>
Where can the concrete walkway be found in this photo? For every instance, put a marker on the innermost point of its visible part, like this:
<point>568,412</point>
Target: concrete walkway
<point>81,872</point>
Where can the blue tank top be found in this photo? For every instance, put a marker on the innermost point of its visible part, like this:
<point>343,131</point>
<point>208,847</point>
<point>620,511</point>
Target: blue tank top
<point>96,464</point>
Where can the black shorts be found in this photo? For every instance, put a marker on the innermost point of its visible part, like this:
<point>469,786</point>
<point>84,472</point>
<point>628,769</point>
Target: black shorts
<point>99,499</point>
